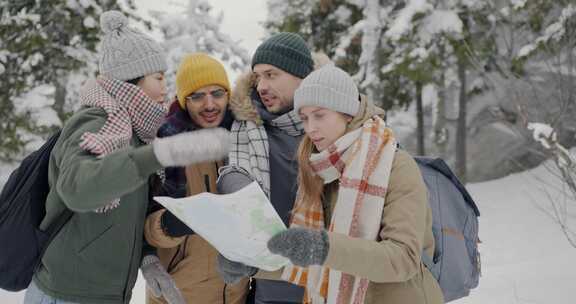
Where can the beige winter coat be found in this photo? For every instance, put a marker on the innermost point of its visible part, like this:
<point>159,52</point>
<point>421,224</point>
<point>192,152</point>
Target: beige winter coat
<point>393,263</point>
<point>393,266</point>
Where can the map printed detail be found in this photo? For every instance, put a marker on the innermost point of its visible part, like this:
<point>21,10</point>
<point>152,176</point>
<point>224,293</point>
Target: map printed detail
<point>238,224</point>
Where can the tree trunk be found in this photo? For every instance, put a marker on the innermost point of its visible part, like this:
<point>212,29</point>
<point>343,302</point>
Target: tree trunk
<point>420,119</point>
<point>369,60</point>
<point>461,129</point>
<point>60,95</point>
<point>441,134</point>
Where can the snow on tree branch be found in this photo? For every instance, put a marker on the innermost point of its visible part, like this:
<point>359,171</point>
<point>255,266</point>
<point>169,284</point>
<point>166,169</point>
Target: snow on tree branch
<point>546,136</point>
<point>370,43</point>
<point>553,32</point>
<point>197,30</point>
<point>403,22</point>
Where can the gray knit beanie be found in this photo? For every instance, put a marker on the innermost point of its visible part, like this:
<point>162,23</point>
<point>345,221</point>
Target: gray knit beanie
<point>328,87</point>
<point>127,53</point>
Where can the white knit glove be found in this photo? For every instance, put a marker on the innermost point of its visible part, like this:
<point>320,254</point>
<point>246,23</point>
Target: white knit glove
<point>192,147</point>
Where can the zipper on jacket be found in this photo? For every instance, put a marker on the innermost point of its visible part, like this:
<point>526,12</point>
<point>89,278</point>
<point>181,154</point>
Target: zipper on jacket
<point>224,293</point>
<point>207,183</point>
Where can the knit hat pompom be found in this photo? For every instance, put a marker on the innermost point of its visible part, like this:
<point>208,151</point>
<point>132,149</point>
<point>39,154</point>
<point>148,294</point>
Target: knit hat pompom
<point>113,21</point>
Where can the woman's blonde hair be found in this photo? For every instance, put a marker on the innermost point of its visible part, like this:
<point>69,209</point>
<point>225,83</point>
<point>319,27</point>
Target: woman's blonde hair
<point>310,185</point>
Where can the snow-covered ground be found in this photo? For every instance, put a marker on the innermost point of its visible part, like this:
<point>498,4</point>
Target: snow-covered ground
<point>525,257</point>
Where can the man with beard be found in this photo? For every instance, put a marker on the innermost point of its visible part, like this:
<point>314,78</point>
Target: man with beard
<point>203,92</point>
<point>266,134</point>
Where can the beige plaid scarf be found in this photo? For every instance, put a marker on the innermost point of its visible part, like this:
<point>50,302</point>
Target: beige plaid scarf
<point>129,110</point>
<point>362,161</point>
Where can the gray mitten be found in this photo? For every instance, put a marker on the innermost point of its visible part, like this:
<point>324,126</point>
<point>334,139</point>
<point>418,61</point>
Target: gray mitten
<point>232,272</point>
<point>304,247</point>
<point>192,147</point>
<point>159,281</point>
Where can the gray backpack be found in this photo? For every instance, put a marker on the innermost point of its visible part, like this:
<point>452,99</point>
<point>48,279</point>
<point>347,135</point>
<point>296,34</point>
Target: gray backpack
<point>456,261</point>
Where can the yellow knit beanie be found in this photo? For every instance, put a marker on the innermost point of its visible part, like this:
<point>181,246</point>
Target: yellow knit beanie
<point>197,71</point>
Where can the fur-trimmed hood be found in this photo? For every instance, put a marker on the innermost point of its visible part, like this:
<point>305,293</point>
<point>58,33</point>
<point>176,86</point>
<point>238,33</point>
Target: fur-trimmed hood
<point>241,100</point>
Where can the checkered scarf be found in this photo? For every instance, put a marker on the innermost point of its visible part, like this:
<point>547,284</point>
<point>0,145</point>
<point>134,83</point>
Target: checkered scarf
<point>250,148</point>
<point>361,160</point>
<point>129,110</point>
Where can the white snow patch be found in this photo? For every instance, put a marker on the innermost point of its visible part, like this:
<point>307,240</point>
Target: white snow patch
<point>526,50</point>
<point>38,102</point>
<point>542,132</point>
<point>342,14</point>
<point>89,22</point>
<point>429,95</point>
<point>402,22</point>
<point>419,53</point>
<point>518,4</point>
<point>441,21</point>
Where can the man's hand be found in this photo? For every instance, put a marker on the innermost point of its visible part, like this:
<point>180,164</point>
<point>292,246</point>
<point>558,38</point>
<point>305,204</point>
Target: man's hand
<point>159,281</point>
<point>232,272</point>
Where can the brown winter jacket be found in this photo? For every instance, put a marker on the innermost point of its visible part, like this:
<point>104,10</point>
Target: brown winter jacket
<point>190,259</point>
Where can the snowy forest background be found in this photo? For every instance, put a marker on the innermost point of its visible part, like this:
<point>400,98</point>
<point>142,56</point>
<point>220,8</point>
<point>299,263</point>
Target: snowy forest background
<point>488,85</point>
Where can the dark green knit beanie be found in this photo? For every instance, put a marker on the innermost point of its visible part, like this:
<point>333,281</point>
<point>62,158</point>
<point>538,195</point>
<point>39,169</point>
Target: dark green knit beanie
<point>286,51</point>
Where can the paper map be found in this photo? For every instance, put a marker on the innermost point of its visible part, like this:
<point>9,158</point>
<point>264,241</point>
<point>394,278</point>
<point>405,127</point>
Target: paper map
<point>238,224</point>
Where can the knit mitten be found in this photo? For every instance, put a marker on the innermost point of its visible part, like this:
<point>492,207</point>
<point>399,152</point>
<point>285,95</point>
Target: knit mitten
<point>232,272</point>
<point>192,147</point>
<point>302,246</point>
<point>159,281</point>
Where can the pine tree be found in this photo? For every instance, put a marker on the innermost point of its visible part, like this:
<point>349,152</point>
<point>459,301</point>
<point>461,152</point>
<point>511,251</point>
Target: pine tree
<point>197,30</point>
<point>433,39</point>
<point>42,43</point>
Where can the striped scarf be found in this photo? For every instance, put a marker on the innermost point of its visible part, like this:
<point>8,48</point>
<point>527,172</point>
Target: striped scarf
<point>250,147</point>
<point>129,110</point>
<point>361,160</point>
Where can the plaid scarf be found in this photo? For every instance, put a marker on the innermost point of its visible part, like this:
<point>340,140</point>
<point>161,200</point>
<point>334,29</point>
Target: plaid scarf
<point>249,154</point>
<point>362,161</point>
<point>129,110</point>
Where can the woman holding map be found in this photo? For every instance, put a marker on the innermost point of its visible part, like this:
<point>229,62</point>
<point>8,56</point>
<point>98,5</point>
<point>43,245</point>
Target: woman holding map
<point>361,218</point>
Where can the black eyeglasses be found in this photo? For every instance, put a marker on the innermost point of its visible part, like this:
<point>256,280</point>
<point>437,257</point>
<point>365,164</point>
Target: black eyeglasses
<point>200,96</point>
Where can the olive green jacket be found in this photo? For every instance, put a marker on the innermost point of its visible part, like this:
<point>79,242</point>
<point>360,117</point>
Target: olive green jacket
<point>96,256</point>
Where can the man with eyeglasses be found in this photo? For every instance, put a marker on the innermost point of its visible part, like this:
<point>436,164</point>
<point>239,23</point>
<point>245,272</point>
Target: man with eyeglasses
<point>202,102</point>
